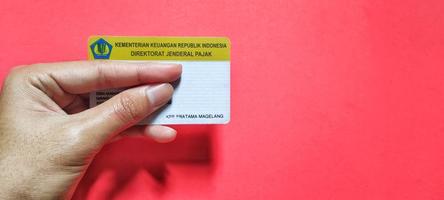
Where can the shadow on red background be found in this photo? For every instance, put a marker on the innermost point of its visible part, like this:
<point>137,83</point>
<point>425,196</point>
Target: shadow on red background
<point>120,162</point>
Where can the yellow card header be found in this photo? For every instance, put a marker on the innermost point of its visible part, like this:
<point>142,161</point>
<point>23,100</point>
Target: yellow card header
<point>159,48</point>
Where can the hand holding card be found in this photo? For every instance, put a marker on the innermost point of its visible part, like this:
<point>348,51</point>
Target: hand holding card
<point>202,95</point>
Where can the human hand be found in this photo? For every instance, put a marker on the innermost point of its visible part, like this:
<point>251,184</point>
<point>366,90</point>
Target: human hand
<point>48,136</point>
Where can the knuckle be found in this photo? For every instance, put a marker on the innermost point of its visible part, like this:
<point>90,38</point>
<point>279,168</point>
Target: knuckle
<point>105,73</point>
<point>127,108</point>
<point>19,70</point>
<point>16,74</point>
<point>99,66</point>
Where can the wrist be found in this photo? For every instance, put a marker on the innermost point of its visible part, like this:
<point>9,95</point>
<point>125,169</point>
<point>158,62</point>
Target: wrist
<point>25,182</point>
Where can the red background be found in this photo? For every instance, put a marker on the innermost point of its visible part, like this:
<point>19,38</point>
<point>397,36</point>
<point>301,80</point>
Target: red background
<point>330,99</point>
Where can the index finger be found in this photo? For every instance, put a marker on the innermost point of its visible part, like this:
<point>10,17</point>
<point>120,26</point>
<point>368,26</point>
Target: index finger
<point>78,77</point>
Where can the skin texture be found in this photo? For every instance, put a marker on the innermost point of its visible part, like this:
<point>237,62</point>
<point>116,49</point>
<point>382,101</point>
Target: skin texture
<point>48,136</point>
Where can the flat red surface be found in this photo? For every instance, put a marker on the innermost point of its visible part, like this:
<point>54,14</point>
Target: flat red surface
<point>330,99</point>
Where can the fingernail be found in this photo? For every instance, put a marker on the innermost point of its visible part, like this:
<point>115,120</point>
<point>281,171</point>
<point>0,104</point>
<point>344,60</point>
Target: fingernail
<point>161,134</point>
<point>159,94</point>
<point>178,67</point>
<point>166,136</point>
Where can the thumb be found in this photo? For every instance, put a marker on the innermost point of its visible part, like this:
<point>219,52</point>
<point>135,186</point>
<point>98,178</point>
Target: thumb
<point>125,109</point>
